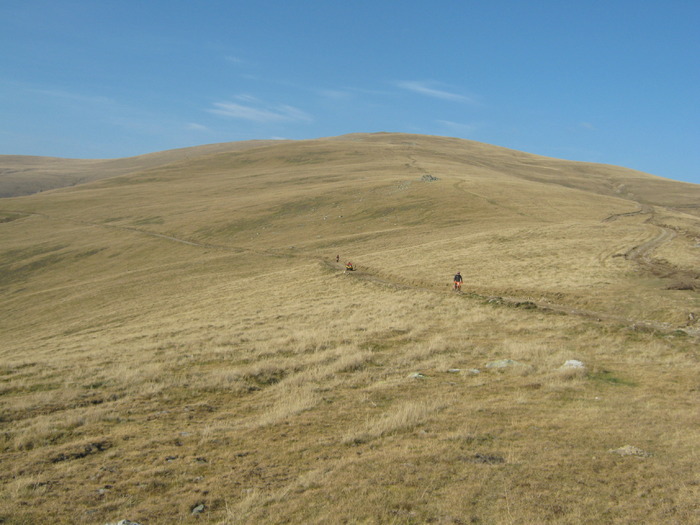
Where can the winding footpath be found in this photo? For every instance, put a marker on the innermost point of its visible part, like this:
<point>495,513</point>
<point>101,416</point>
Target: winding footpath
<point>640,254</point>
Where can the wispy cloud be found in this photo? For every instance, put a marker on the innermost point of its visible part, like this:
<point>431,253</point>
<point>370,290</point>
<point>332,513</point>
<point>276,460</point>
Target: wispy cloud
<point>427,89</point>
<point>247,98</point>
<point>457,127</point>
<point>75,97</point>
<point>97,108</point>
<point>197,127</point>
<point>256,111</point>
<point>335,94</point>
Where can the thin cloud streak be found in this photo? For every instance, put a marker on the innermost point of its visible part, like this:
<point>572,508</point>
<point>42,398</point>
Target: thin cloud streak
<point>75,97</point>
<point>458,127</point>
<point>281,113</point>
<point>424,88</point>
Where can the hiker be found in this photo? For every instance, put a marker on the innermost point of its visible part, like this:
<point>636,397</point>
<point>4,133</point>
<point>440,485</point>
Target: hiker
<point>349,267</point>
<point>337,258</point>
<point>458,282</point>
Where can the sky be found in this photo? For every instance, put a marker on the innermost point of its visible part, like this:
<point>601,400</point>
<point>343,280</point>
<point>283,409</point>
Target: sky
<point>612,81</point>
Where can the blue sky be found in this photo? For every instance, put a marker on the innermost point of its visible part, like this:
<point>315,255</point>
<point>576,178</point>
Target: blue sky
<point>614,81</point>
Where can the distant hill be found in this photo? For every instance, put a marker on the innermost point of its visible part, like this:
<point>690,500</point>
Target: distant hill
<point>24,175</point>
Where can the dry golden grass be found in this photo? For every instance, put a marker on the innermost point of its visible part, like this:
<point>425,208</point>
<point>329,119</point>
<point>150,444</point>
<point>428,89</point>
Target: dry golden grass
<point>183,336</point>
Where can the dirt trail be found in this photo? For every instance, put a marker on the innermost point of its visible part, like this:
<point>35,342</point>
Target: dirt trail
<point>234,249</point>
<point>525,304</point>
<point>643,210</point>
<point>640,254</point>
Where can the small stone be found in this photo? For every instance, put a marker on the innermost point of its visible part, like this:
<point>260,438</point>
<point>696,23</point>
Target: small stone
<point>629,450</point>
<point>198,509</point>
<point>573,363</point>
<point>417,375</point>
<point>489,459</point>
<point>454,370</point>
<point>502,363</point>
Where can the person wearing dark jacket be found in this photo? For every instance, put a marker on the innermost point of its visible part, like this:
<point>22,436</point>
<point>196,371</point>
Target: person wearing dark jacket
<point>458,282</point>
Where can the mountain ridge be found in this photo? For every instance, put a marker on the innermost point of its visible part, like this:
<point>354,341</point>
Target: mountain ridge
<point>24,175</point>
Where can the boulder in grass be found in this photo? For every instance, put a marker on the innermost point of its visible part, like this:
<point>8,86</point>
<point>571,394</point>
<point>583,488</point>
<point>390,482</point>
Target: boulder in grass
<point>629,450</point>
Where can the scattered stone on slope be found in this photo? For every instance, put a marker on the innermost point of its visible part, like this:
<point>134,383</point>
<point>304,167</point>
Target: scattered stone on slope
<point>526,305</point>
<point>629,450</point>
<point>82,451</point>
<point>428,178</point>
<point>417,375</point>
<point>573,363</point>
<point>470,371</point>
<point>489,459</point>
<point>503,363</point>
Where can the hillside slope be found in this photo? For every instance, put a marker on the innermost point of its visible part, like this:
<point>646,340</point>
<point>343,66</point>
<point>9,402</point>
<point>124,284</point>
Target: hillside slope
<point>24,175</point>
<point>180,339</point>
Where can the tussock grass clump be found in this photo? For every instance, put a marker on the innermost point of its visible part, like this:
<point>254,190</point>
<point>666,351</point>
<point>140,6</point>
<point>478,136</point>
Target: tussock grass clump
<point>404,417</point>
<point>290,402</point>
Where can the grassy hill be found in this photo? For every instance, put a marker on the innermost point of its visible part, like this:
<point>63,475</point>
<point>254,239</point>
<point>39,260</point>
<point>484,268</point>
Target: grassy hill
<point>24,175</point>
<point>176,336</point>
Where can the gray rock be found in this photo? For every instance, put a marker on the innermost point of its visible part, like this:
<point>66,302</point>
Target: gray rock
<point>503,363</point>
<point>198,509</point>
<point>573,363</point>
<point>489,459</point>
<point>417,375</point>
<point>629,450</point>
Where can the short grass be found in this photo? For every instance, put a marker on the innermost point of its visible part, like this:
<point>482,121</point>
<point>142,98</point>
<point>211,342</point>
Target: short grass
<point>191,341</point>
